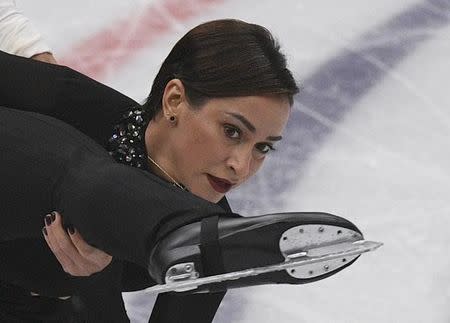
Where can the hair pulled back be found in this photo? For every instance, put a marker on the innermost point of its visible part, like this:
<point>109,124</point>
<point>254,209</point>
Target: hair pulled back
<point>224,58</point>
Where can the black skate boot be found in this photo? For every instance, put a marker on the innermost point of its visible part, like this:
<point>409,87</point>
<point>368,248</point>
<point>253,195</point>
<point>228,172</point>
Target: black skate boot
<point>286,248</point>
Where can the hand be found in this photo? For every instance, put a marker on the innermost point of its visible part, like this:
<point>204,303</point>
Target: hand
<point>45,57</point>
<point>75,255</point>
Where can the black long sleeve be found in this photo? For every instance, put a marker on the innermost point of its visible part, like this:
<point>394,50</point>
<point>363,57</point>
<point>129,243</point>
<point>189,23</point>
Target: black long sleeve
<point>94,109</point>
<point>62,93</point>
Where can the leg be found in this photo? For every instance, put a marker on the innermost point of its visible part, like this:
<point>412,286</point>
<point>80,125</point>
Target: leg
<point>17,305</point>
<point>174,308</point>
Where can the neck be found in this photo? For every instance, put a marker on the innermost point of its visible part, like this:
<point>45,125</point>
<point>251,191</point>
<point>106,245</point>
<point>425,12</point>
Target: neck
<point>166,174</point>
<point>158,164</point>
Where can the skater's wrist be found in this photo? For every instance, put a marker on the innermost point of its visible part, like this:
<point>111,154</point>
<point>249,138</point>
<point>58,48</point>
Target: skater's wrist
<point>45,57</point>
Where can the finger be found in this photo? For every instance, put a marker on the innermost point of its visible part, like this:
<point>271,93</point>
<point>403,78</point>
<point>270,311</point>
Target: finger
<point>61,245</point>
<point>82,246</point>
<point>78,264</point>
<point>48,239</point>
<point>45,233</point>
<point>97,257</point>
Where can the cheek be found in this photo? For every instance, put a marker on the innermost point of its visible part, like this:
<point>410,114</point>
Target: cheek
<point>201,144</point>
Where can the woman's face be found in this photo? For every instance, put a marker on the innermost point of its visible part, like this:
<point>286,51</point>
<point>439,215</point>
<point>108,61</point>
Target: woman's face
<point>215,148</point>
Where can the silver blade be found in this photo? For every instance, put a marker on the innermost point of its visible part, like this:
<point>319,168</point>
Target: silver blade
<point>345,249</point>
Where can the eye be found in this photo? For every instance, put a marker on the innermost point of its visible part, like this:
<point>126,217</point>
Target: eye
<point>264,148</point>
<point>232,132</point>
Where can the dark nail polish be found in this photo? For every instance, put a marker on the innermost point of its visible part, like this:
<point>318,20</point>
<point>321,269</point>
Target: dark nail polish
<point>71,229</point>
<point>48,219</point>
<point>44,231</point>
<point>52,216</point>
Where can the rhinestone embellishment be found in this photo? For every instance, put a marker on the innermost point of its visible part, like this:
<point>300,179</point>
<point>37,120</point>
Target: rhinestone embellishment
<point>126,145</point>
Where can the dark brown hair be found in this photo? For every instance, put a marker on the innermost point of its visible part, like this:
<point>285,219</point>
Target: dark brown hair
<point>224,58</point>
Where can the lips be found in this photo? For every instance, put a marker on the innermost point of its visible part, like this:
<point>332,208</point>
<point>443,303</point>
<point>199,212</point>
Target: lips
<point>218,184</point>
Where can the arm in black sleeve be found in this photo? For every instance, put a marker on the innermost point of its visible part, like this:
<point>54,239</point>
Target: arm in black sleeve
<point>29,85</point>
<point>98,298</point>
<point>62,93</point>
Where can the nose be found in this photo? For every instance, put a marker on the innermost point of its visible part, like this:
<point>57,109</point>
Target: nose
<point>240,163</point>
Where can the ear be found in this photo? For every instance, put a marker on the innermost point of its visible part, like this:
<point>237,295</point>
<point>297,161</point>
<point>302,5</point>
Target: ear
<point>173,96</point>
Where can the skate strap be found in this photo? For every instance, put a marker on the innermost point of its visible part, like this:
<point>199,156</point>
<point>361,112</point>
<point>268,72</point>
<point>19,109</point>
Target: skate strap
<point>211,252</point>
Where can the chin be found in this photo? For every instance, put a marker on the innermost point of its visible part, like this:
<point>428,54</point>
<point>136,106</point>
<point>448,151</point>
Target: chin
<point>216,200</point>
<point>212,197</point>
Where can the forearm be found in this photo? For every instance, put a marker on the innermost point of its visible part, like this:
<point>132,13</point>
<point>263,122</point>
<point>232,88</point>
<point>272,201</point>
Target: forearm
<point>17,35</point>
<point>28,85</point>
<point>62,93</point>
<point>101,297</point>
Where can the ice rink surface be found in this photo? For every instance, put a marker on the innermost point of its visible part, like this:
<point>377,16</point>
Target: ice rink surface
<point>369,137</point>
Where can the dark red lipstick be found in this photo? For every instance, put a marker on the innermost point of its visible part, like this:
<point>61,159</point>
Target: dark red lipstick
<point>219,184</point>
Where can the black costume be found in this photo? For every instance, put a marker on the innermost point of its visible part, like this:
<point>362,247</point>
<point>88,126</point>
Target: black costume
<point>47,165</point>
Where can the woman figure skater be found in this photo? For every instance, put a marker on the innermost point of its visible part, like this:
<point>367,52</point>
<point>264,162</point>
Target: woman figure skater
<point>204,129</point>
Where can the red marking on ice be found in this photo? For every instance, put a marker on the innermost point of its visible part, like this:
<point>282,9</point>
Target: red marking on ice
<point>112,47</point>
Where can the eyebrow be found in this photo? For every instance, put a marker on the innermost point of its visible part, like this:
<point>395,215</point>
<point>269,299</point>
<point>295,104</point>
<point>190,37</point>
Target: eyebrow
<point>250,126</point>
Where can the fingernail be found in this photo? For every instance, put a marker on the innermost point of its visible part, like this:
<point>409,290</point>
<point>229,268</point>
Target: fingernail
<point>48,219</point>
<point>71,229</point>
<point>44,231</point>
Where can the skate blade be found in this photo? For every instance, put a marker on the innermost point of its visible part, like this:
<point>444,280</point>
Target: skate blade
<point>188,279</point>
<point>314,240</point>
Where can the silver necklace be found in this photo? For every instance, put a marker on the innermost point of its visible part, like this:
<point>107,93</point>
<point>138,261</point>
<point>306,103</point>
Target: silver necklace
<point>167,174</point>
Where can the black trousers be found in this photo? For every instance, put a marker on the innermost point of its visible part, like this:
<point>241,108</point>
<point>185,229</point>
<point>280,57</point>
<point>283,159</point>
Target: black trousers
<point>17,305</point>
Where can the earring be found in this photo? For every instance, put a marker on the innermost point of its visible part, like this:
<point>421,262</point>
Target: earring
<point>173,120</point>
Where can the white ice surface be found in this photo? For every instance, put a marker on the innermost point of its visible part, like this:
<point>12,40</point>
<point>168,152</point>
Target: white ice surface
<point>385,166</point>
